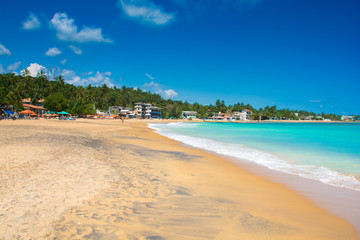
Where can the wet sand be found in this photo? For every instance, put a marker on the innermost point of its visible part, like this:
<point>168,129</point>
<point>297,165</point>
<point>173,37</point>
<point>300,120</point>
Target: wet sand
<point>100,179</point>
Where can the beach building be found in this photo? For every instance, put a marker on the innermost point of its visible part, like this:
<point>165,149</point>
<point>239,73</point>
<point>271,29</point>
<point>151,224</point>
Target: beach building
<point>156,112</point>
<point>347,118</point>
<point>220,117</point>
<point>38,107</point>
<point>125,112</point>
<point>242,116</point>
<point>189,114</point>
<point>133,114</point>
<point>120,111</point>
<point>247,114</point>
<point>146,110</point>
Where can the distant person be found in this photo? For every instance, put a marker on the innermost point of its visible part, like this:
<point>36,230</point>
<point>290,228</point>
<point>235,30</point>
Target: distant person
<point>122,120</point>
<point>2,114</point>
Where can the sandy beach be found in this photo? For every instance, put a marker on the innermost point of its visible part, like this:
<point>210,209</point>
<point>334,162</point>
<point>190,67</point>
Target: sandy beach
<point>100,179</point>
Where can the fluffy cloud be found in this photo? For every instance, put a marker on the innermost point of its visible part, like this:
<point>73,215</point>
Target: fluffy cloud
<point>4,50</point>
<point>97,79</point>
<point>88,73</point>
<point>145,11</point>
<point>151,84</point>
<point>63,61</point>
<point>76,50</point>
<point>32,22</point>
<point>66,30</point>
<point>52,52</point>
<point>170,93</point>
<point>13,67</point>
<point>34,69</point>
<point>158,89</point>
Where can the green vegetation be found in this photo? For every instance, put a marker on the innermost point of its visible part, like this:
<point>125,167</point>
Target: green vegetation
<point>60,96</point>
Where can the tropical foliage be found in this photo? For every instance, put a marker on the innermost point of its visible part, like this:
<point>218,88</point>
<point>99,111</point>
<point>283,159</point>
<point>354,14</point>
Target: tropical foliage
<point>61,96</point>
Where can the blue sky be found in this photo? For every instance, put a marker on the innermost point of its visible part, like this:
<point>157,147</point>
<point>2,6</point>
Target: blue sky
<point>299,54</point>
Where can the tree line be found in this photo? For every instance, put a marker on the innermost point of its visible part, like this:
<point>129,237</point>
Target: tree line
<point>80,100</point>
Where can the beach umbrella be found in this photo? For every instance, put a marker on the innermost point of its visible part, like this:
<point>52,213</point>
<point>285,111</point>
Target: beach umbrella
<point>63,113</point>
<point>9,112</point>
<point>27,112</point>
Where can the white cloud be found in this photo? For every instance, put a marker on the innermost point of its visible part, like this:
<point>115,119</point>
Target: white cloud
<point>10,68</point>
<point>4,50</point>
<point>315,101</point>
<point>70,76</point>
<point>66,30</point>
<point>34,69</point>
<point>97,79</point>
<point>88,73</point>
<point>158,89</point>
<point>145,11</point>
<point>32,22</point>
<point>151,84</point>
<point>76,50</point>
<point>149,76</point>
<point>63,61</point>
<point>13,67</point>
<point>170,93</point>
<point>52,52</point>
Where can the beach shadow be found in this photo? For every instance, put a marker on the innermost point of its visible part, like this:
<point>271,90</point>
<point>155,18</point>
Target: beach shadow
<point>255,224</point>
<point>158,154</point>
<point>128,137</point>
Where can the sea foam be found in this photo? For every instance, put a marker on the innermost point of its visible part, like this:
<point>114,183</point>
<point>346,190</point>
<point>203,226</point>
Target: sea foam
<point>242,152</point>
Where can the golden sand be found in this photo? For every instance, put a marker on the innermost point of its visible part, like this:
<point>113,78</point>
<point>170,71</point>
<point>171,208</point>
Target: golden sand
<point>100,179</point>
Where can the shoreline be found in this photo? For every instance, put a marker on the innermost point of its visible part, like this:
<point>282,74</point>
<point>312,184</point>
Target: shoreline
<point>337,200</point>
<point>157,189</point>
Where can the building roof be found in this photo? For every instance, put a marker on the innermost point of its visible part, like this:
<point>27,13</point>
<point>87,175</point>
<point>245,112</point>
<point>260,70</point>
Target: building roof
<point>29,100</point>
<point>247,110</point>
<point>33,106</point>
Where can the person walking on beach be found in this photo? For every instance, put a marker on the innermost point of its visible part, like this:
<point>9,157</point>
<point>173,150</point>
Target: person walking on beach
<point>122,120</point>
<point>2,114</point>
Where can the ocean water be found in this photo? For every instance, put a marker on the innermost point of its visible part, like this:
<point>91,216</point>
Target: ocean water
<point>326,152</point>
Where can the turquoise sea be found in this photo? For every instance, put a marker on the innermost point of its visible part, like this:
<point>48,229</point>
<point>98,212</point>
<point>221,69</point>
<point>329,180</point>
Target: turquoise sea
<point>326,152</point>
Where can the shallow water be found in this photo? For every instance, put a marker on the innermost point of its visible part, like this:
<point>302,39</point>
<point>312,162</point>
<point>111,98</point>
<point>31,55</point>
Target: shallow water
<point>325,152</point>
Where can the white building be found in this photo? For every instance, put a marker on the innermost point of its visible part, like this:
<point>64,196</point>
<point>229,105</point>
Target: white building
<point>347,118</point>
<point>121,111</point>
<point>189,114</point>
<point>240,115</point>
<point>146,110</point>
<point>248,114</point>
